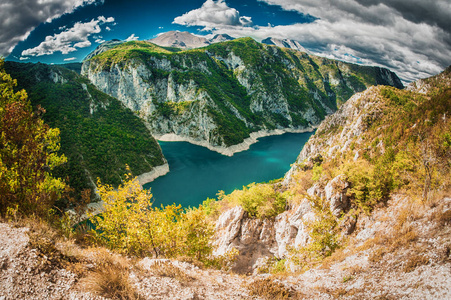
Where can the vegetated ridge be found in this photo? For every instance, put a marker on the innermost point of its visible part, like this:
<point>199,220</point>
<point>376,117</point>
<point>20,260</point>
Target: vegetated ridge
<point>99,136</point>
<point>220,94</point>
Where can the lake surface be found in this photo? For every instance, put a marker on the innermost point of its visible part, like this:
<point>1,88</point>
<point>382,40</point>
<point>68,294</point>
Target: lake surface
<point>197,173</point>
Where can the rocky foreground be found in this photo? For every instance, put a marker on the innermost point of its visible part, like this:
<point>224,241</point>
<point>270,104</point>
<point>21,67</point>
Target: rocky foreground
<point>402,251</point>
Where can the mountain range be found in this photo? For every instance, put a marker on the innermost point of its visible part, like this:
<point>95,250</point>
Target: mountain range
<point>218,95</point>
<point>186,40</point>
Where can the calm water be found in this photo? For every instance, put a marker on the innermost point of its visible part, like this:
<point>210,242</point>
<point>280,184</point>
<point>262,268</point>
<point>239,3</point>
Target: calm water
<point>197,173</point>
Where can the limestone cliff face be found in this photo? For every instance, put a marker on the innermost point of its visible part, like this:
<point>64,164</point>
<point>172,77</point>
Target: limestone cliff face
<point>222,93</point>
<point>137,88</point>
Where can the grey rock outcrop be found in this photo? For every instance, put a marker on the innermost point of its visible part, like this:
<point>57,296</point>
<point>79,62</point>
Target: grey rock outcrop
<point>184,40</point>
<point>218,38</point>
<point>335,191</point>
<point>254,238</point>
<point>259,240</point>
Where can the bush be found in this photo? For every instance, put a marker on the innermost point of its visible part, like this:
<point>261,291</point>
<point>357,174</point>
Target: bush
<point>269,289</point>
<point>258,200</point>
<point>129,224</point>
<point>110,278</point>
<point>370,183</point>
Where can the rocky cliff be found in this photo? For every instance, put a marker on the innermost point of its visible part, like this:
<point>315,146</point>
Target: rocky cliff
<point>348,176</point>
<point>220,94</point>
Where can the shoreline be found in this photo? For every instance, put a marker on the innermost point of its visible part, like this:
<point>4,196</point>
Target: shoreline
<point>153,174</point>
<point>96,208</point>
<point>230,151</point>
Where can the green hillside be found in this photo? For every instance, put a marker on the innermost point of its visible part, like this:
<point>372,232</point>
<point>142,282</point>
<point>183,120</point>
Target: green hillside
<point>99,135</point>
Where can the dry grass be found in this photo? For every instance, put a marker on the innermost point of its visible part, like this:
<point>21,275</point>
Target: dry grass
<point>354,270</point>
<point>441,216</point>
<point>390,244</point>
<point>54,250</point>
<point>268,288</point>
<point>415,261</point>
<point>191,260</point>
<point>335,293</point>
<point>401,235</point>
<point>110,277</point>
<point>167,269</point>
<point>378,254</point>
<point>338,256</point>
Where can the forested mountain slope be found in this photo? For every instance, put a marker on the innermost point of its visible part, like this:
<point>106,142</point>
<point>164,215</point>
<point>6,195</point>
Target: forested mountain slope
<point>99,135</point>
<point>221,93</point>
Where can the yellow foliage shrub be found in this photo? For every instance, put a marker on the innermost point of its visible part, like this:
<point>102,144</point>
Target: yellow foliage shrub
<point>129,224</point>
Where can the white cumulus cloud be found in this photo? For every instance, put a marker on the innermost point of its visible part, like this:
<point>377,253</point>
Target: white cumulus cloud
<point>132,38</point>
<point>411,37</point>
<point>19,17</point>
<point>213,14</point>
<point>70,39</point>
<point>70,59</point>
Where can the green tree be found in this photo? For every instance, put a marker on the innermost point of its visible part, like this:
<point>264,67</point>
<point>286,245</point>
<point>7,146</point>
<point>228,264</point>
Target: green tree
<point>258,200</point>
<point>129,224</point>
<point>28,153</point>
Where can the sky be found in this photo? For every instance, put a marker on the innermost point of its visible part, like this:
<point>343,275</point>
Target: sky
<point>409,37</point>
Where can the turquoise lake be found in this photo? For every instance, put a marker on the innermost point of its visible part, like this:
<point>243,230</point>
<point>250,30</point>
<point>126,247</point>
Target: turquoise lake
<point>197,173</point>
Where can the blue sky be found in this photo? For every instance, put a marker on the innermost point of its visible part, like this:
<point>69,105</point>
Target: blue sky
<point>135,20</point>
<point>410,37</point>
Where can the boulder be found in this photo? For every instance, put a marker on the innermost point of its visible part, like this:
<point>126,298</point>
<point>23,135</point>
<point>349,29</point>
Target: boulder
<point>335,192</point>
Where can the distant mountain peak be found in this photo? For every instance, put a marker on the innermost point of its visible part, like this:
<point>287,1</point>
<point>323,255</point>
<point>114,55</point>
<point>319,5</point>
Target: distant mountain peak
<point>285,43</point>
<point>187,40</point>
<point>220,38</point>
<point>179,39</point>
